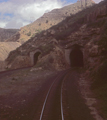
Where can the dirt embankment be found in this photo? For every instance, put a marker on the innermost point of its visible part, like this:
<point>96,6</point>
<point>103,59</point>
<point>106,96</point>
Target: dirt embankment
<point>18,88</point>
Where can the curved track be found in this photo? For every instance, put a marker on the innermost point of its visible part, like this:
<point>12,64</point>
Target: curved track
<point>69,104</point>
<point>58,99</point>
<point>48,100</point>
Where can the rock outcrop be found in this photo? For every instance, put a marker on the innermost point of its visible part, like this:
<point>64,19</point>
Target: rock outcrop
<point>49,19</point>
<point>77,32</point>
<point>78,41</point>
<point>46,21</point>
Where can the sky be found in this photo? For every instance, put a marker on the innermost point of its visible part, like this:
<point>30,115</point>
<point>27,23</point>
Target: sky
<point>18,13</point>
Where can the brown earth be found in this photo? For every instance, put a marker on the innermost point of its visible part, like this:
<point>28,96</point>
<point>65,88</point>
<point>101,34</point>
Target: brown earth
<point>5,49</point>
<point>20,87</point>
<point>7,33</point>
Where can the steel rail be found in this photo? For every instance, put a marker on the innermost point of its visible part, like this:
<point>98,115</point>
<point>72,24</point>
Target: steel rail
<point>62,113</point>
<point>41,115</point>
<point>46,99</point>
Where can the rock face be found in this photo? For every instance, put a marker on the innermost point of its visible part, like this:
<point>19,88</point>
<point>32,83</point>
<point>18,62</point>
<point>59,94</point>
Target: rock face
<point>48,20</point>
<point>78,33</point>
<point>6,33</point>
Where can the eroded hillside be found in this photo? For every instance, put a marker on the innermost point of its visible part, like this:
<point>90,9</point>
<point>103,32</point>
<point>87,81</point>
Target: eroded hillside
<point>48,20</point>
<point>83,29</point>
<point>78,41</point>
<point>5,48</point>
<point>7,33</point>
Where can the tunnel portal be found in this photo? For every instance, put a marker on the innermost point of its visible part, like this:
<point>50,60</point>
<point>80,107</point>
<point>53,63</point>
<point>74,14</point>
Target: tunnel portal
<point>76,58</point>
<point>36,55</point>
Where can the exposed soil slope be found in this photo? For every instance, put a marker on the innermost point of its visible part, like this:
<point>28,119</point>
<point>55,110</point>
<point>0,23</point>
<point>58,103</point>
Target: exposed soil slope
<point>7,33</point>
<point>6,47</point>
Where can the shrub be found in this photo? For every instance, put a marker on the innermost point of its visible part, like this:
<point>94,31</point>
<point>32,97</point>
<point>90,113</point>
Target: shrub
<point>39,24</point>
<point>46,21</point>
<point>33,34</point>
<point>29,34</point>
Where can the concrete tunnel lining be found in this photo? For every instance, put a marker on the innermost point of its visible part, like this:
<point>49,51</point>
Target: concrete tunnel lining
<point>34,55</point>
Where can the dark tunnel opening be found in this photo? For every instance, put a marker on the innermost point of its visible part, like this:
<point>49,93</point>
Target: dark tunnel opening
<point>36,55</point>
<point>76,58</point>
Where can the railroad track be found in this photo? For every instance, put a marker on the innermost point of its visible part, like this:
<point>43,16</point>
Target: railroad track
<point>61,97</point>
<point>70,105</point>
<point>58,99</point>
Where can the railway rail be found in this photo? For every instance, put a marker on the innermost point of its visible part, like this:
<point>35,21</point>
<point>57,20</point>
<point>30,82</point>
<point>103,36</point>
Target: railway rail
<point>58,99</point>
<point>66,101</point>
<point>61,98</point>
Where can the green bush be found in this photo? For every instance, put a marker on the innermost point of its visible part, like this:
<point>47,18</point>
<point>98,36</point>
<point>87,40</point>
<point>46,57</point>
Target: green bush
<point>29,34</point>
<point>33,34</point>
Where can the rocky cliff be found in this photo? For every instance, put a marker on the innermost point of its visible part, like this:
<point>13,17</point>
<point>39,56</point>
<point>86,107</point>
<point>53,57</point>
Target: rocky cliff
<point>78,41</point>
<point>83,29</point>
<point>46,21</point>
<point>49,19</point>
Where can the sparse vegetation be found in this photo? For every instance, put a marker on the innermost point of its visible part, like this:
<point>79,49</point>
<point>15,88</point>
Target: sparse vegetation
<point>29,33</point>
<point>39,30</point>
<point>47,48</point>
<point>98,23</point>
<point>73,23</point>
<point>99,85</point>
<point>46,21</point>
<point>39,24</point>
<point>33,34</point>
<point>103,42</point>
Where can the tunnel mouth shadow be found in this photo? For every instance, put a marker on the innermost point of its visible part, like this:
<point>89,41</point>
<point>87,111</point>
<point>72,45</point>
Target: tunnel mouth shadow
<point>35,58</point>
<point>76,58</point>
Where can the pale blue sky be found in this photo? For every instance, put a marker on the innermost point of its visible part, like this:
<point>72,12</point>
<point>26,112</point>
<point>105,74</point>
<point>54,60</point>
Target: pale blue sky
<point>71,1</point>
<point>68,1</point>
<point>18,13</point>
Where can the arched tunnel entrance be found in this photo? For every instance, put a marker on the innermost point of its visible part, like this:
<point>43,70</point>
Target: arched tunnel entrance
<point>36,55</point>
<point>76,58</point>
